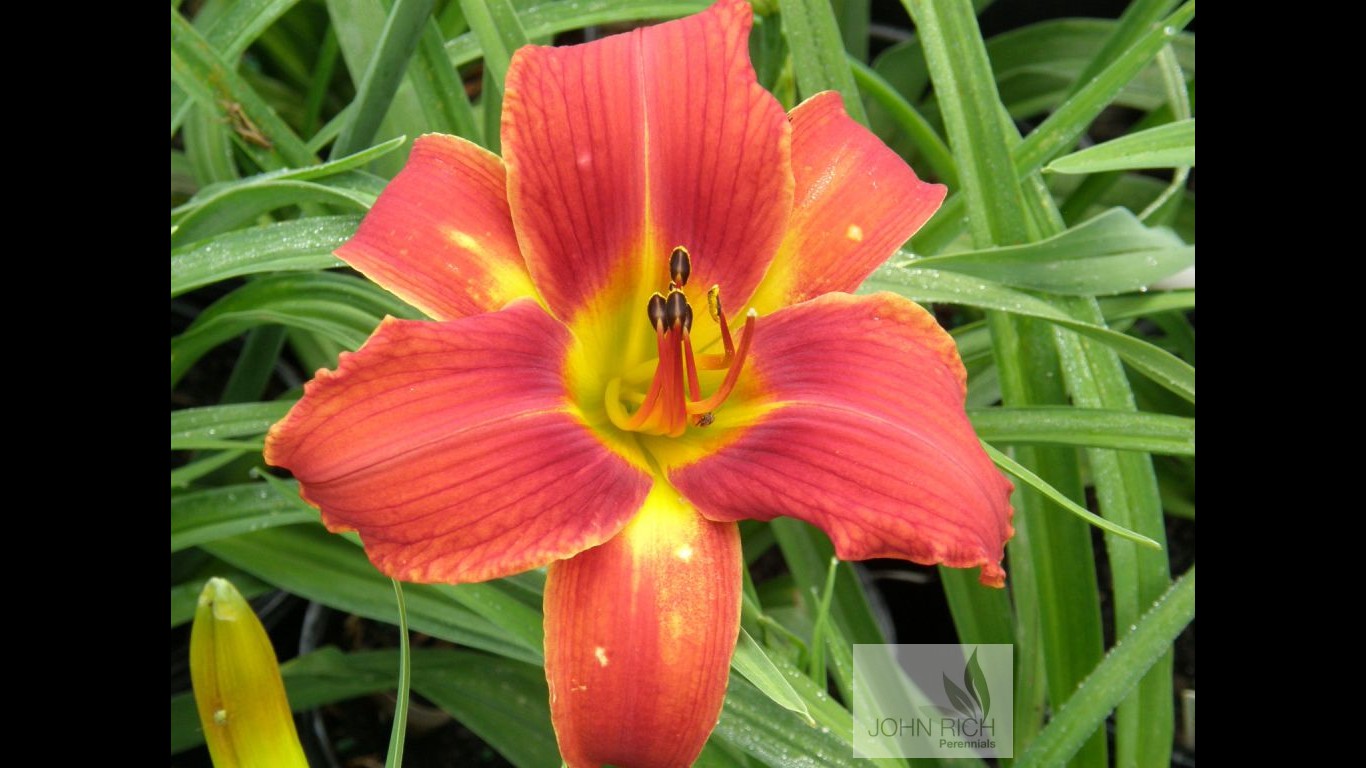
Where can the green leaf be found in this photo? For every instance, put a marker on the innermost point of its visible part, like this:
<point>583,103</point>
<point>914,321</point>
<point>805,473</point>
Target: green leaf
<point>1037,66</point>
<point>383,73</point>
<point>966,93</point>
<point>1126,307</point>
<point>358,25</point>
<point>342,308</point>
<point>928,286</point>
<point>1166,146</point>
<point>220,513</point>
<point>191,428</point>
<point>779,737</point>
<point>1112,253</point>
<point>504,702</point>
<point>308,561</point>
<point>324,67</point>
<point>245,205</point>
<point>808,553</point>
<point>212,192</point>
<point>751,661</point>
<point>1062,128</point>
<point>286,246</point>
<point>821,622</point>
<point>255,366</point>
<point>182,477</point>
<point>440,90</point>
<point>1059,622</point>
<point>852,16</point>
<point>1092,427</point>
<point>1149,640</point>
<point>399,731</point>
<point>500,33</point>
<point>208,148</point>
<point>228,27</point>
<point>1022,472</point>
<point>549,19</point>
<point>1139,17</point>
<point>917,129</point>
<point>216,86</point>
<point>818,56</point>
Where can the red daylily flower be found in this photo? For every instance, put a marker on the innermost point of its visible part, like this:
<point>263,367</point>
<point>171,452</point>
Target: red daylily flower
<point>643,335</point>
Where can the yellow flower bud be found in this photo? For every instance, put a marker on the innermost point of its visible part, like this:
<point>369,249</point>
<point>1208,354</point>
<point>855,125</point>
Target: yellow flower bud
<point>237,685</point>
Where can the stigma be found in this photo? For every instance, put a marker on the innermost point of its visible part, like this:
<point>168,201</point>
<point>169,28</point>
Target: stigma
<point>674,400</point>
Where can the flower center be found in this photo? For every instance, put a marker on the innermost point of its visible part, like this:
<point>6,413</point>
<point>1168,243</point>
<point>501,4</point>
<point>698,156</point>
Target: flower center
<point>674,396</point>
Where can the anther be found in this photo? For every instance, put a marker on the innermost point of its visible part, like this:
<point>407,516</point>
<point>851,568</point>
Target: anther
<point>656,311</point>
<point>675,308</point>
<point>718,316</point>
<point>680,266</point>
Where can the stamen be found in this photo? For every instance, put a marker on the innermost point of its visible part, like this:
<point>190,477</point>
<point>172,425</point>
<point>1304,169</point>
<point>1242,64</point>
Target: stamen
<point>718,315</point>
<point>674,309</point>
<point>680,266</point>
<point>732,375</point>
<point>654,309</point>
<point>658,388</point>
<point>675,392</point>
<point>694,388</point>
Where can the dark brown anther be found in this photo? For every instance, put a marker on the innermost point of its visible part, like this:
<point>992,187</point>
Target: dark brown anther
<point>687,318</point>
<point>657,312</point>
<point>680,266</point>
<point>704,419</point>
<point>675,309</point>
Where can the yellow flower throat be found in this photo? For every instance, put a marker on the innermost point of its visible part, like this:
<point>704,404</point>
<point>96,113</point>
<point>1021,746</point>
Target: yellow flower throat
<point>674,396</point>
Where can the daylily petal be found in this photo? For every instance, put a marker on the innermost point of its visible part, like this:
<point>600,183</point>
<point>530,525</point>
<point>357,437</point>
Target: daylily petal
<point>856,202</point>
<point>440,235</point>
<point>638,638</point>
<point>620,150</point>
<point>866,438</point>
<point>453,450</point>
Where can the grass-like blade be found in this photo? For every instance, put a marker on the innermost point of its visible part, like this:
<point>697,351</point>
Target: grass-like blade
<point>216,86</point>
<point>220,513</point>
<point>500,33</point>
<point>1166,146</point>
<point>928,285</point>
<point>1134,654</point>
<point>1022,472</point>
<point>398,734</point>
<point>229,27</point>
<point>1092,427</point>
<point>383,73</point>
<point>342,308</point>
<point>1111,253</point>
<point>751,661</point>
<point>549,19</point>
<point>190,427</point>
<point>244,205</point>
<point>301,245</point>
<point>312,563</point>
<point>818,57</point>
<point>341,165</point>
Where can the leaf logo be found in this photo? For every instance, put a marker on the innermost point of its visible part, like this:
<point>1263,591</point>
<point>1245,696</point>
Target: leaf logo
<point>973,700</point>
